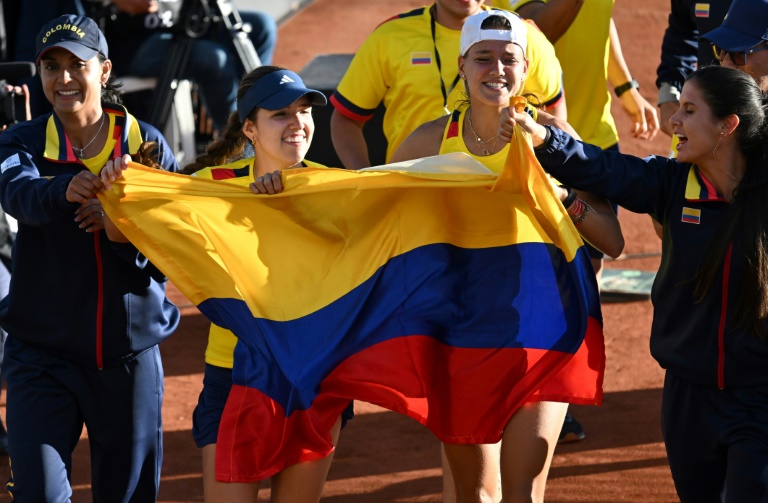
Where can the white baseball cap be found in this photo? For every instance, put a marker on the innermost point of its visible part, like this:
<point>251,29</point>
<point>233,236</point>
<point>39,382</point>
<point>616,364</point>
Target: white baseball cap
<point>472,32</point>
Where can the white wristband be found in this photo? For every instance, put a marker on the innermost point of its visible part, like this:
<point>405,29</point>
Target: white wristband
<point>668,93</point>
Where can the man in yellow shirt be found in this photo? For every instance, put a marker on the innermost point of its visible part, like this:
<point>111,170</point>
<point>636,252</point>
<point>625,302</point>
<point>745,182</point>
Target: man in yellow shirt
<point>578,29</point>
<point>410,63</point>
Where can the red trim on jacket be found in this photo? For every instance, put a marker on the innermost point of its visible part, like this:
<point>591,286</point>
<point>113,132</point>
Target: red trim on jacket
<point>712,194</point>
<point>723,315</point>
<point>99,302</point>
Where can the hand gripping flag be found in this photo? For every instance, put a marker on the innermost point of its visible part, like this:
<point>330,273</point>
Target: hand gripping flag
<point>452,298</point>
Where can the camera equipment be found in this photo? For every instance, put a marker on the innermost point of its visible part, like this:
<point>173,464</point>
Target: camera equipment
<point>13,106</point>
<point>195,18</point>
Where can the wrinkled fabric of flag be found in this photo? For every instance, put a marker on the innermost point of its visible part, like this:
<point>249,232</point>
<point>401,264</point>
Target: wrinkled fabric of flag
<point>451,298</point>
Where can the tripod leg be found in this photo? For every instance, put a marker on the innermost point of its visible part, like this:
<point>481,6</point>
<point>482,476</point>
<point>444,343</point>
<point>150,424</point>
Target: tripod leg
<point>235,26</point>
<point>175,62</point>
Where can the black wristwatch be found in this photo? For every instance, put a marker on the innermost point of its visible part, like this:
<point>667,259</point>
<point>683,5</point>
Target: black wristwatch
<point>632,84</point>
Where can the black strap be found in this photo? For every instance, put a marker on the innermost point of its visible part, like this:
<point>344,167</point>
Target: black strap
<point>437,61</point>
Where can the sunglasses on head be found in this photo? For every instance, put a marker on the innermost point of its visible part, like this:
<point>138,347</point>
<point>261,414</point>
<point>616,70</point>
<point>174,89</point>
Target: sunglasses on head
<point>738,58</point>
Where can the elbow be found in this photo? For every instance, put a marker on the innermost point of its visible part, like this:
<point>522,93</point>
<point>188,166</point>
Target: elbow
<point>343,124</point>
<point>615,252</point>
<point>615,247</point>
<point>610,244</point>
<point>342,127</point>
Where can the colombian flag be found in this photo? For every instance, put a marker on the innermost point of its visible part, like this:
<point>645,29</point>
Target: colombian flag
<point>421,58</point>
<point>452,298</point>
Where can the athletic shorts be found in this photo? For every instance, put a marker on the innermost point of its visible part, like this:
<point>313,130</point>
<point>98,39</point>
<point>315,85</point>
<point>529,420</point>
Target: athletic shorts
<point>217,382</point>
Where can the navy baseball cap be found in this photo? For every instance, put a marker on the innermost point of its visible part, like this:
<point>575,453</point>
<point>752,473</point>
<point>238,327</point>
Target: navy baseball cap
<point>745,26</point>
<point>79,35</point>
<point>274,91</point>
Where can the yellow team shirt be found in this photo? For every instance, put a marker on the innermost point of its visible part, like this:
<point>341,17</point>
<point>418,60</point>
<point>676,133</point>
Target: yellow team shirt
<point>453,141</point>
<point>116,120</point>
<point>583,54</point>
<point>221,342</point>
<point>396,65</point>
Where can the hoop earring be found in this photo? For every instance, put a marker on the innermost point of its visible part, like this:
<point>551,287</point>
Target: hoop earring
<point>718,142</point>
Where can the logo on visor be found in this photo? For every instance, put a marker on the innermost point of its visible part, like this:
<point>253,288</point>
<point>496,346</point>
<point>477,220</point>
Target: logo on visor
<point>286,79</point>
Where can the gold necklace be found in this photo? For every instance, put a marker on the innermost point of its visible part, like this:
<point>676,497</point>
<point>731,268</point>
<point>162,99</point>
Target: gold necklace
<point>482,143</point>
<point>79,151</point>
<point>492,150</point>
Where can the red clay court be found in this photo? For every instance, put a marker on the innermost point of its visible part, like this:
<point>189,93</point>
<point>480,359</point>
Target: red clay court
<point>384,457</point>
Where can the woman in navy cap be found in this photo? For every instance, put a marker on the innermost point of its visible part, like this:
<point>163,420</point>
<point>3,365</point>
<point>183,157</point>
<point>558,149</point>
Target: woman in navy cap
<point>274,116</point>
<point>84,313</point>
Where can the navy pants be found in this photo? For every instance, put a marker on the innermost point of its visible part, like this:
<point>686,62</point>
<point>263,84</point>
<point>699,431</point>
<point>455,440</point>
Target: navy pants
<point>49,400</point>
<point>717,441</point>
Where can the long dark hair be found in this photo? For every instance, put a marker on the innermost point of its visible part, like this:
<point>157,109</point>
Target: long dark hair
<point>728,91</point>
<point>230,144</point>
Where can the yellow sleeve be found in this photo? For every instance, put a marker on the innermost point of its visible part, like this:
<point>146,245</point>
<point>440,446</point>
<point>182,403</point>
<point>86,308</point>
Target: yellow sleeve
<point>365,83</point>
<point>221,347</point>
<point>545,75</point>
<point>205,173</point>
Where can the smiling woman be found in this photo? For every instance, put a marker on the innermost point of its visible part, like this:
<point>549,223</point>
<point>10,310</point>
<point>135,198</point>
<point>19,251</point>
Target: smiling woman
<point>710,296</point>
<point>493,67</point>
<point>274,115</point>
<point>84,314</point>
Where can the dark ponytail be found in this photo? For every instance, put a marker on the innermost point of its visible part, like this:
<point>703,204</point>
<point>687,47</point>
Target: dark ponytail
<point>111,91</point>
<point>728,91</point>
<point>231,143</point>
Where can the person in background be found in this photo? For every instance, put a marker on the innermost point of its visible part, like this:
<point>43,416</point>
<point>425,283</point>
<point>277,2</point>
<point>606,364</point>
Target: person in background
<point>683,50</point>
<point>741,41</point>
<point>6,244</point>
<point>7,232</point>
<point>141,37</point>
<point>409,64</point>
<point>85,311</point>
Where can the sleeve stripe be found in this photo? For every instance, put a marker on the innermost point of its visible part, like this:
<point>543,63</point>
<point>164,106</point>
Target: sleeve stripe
<point>555,100</point>
<point>349,110</point>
